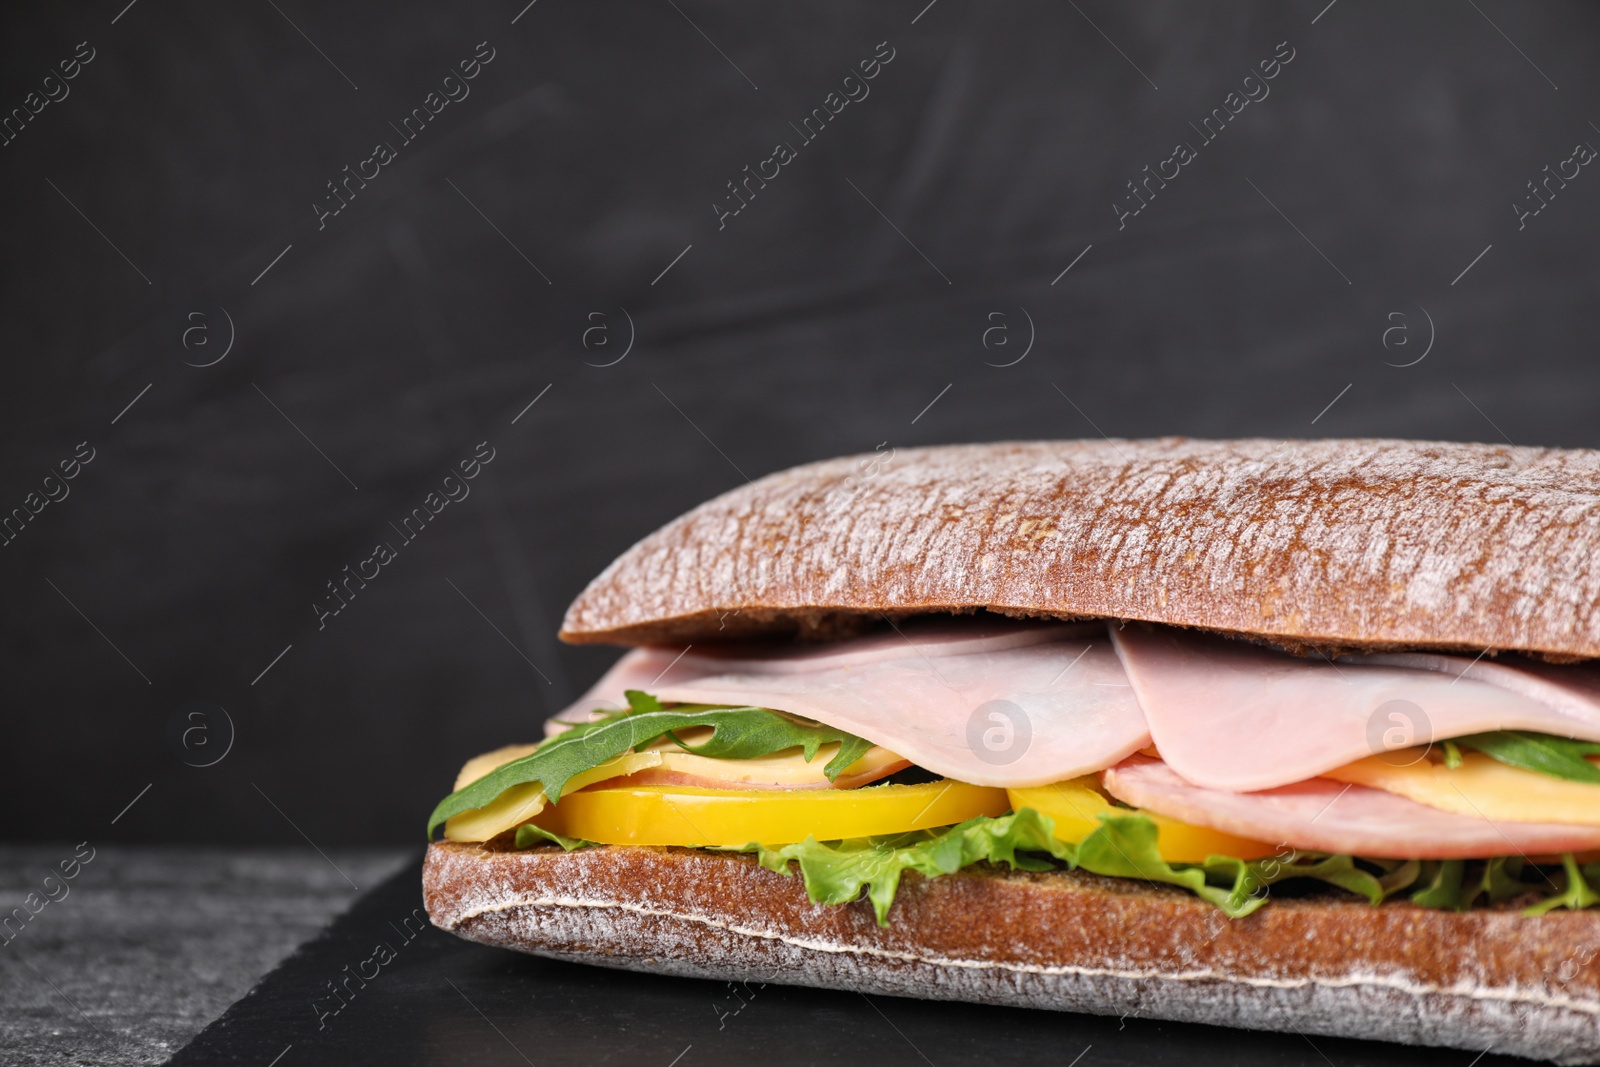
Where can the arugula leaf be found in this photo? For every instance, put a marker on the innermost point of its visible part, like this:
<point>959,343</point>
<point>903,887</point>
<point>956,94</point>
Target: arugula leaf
<point>1557,757</point>
<point>851,749</point>
<point>639,700</point>
<point>738,733</point>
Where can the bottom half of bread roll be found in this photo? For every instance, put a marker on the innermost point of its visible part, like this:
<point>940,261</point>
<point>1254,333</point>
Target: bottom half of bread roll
<point>1320,963</point>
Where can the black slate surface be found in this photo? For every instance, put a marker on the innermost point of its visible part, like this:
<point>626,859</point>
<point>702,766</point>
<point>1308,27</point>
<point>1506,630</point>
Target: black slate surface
<point>147,945</point>
<point>440,1000</point>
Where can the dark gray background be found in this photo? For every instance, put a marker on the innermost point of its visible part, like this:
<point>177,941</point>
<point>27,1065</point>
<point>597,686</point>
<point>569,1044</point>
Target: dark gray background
<point>191,549</point>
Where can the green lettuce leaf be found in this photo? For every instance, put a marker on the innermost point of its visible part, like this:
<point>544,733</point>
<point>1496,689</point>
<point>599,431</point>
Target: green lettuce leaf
<point>1443,888</point>
<point>836,872</point>
<point>1576,894</point>
<point>529,835</point>
<point>1124,846</point>
<point>1558,757</point>
<point>1500,880</point>
<point>738,733</point>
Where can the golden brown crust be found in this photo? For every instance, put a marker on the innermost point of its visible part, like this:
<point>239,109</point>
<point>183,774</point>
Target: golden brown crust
<point>1311,544</point>
<point>1063,940</point>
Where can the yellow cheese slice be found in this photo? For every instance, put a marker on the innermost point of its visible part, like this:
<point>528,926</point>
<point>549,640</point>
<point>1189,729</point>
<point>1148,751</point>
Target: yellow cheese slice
<point>782,770</point>
<point>1480,786</point>
<point>478,766</point>
<point>521,803</point>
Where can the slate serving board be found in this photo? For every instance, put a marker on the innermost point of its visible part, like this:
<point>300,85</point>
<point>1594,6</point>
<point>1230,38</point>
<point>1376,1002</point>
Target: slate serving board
<point>435,999</point>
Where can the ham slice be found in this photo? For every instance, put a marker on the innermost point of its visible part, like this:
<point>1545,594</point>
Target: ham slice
<point>646,668</point>
<point>1322,815</point>
<point>639,669</point>
<point>1230,715</point>
<point>1574,690</point>
<point>991,704</point>
<point>1013,705</point>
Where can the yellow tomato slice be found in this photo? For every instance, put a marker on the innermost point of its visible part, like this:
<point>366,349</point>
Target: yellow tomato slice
<point>1481,786</point>
<point>1076,807</point>
<point>732,818</point>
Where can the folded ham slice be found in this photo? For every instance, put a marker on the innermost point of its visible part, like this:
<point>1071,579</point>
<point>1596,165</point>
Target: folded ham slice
<point>1572,690</point>
<point>991,704</point>
<point>1230,715</point>
<point>1019,705</point>
<point>1322,815</point>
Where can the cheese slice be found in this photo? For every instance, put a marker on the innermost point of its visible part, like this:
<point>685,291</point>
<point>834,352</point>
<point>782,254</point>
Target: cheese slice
<point>667,764</point>
<point>522,802</point>
<point>1481,786</point>
<point>478,766</point>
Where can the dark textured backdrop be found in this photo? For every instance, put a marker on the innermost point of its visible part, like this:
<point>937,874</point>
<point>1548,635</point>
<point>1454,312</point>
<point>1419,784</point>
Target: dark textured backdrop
<point>851,292</point>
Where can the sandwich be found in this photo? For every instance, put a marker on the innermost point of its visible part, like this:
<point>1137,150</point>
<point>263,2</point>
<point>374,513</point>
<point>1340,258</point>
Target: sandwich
<point>1298,736</point>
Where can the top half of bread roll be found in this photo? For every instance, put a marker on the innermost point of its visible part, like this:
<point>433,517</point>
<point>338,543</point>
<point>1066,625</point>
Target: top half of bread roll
<point>1310,545</point>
